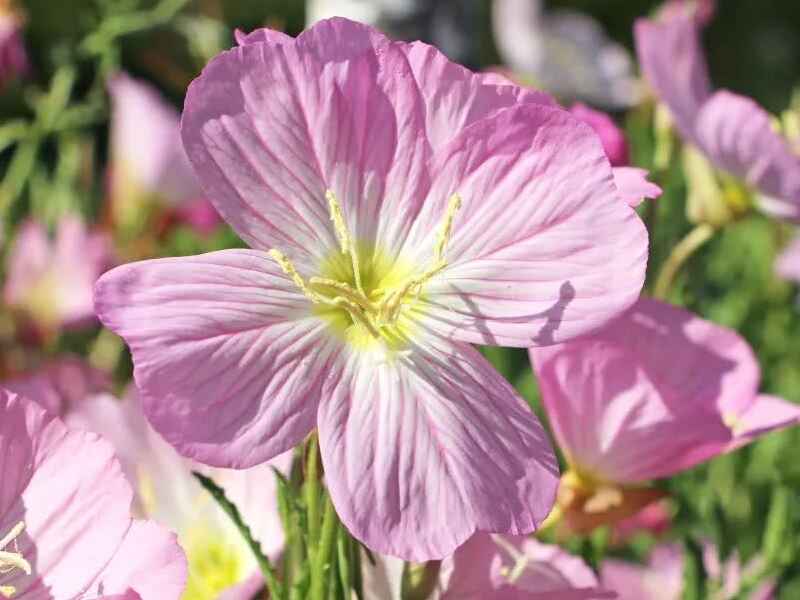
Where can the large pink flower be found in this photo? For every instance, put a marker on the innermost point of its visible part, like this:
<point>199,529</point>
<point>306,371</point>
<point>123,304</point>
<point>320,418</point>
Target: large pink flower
<point>496,567</point>
<point>149,165</point>
<point>732,131</point>
<point>65,525</point>
<point>657,392</point>
<point>400,208</point>
<point>51,282</point>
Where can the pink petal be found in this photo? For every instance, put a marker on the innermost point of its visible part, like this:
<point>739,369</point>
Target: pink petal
<point>738,136</point>
<point>244,591</point>
<point>58,385</point>
<point>168,493</point>
<point>150,561</point>
<point>27,261</point>
<point>542,249</point>
<point>456,97</point>
<point>228,358</point>
<point>765,414</point>
<point>625,414</point>
<point>632,185</point>
<point>612,137</point>
<point>69,490</point>
<point>661,579</point>
<point>147,161</point>
<point>270,128</point>
<point>479,571</point>
<point>788,264</point>
<point>673,62</point>
<point>432,432</point>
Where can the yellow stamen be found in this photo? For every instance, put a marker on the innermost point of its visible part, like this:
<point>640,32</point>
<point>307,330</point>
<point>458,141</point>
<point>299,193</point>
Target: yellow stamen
<point>343,235</point>
<point>446,230</point>
<point>288,268</point>
<point>11,561</point>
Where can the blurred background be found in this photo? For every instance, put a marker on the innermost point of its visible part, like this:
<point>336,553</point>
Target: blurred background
<point>67,147</point>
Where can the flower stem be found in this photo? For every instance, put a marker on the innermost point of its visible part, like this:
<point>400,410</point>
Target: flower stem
<point>679,255</point>
<point>312,491</point>
<point>321,566</point>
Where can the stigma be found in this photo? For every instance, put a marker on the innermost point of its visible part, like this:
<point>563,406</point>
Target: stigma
<point>366,298</point>
<point>11,561</point>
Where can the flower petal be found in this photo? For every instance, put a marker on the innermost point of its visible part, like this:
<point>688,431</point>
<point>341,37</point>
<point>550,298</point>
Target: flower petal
<point>479,571</point>
<point>788,263</point>
<point>633,186</point>
<point>661,579</point>
<point>612,137</point>
<point>542,248</point>
<point>455,97</point>
<point>434,431</point>
<point>624,414</point>
<point>269,128</point>
<point>766,414</point>
<point>68,490</point>
<point>228,358</point>
<point>738,137</point>
<point>672,60</point>
<point>149,561</point>
<point>148,161</point>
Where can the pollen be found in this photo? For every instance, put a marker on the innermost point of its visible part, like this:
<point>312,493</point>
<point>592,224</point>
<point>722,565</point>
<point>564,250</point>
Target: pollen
<point>12,560</point>
<point>363,294</point>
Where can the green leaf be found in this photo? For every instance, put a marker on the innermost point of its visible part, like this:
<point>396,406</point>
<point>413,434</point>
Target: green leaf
<point>275,587</point>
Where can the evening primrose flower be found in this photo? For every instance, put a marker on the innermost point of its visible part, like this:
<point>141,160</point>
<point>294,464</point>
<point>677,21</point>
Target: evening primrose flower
<point>496,567</point>
<point>735,151</point>
<point>149,168</point>
<point>65,525</point>
<point>658,391</point>
<point>13,56</point>
<point>50,282</point>
<point>565,52</point>
<point>165,491</point>
<point>399,209</point>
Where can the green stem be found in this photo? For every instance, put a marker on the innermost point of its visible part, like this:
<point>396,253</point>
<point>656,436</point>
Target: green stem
<point>321,564</point>
<point>678,257</point>
<point>312,491</point>
<point>273,584</point>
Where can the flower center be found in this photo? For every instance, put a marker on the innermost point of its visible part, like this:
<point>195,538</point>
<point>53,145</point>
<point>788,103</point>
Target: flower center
<point>365,299</point>
<point>11,561</point>
<point>215,563</point>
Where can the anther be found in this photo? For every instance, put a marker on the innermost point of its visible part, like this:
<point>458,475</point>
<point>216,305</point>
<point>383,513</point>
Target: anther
<point>9,561</point>
<point>343,235</point>
<point>446,230</point>
<point>288,268</point>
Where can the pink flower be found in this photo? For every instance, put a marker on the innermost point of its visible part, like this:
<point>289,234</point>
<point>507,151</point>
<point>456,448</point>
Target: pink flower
<point>495,567</point>
<point>701,10</point>
<point>662,577</point>
<point>219,560</point>
<point>731,131</point>
<point>65,525</point>
<point>564,52</point>
<point>60,384</point>
<point>655,393</point>
<point>612,137</point>
<point>400,209</point>
<point>149,165</point>
<point>788,264</point>
<point>51,281</point>
<point>655,519</point>
<point>13,56</point>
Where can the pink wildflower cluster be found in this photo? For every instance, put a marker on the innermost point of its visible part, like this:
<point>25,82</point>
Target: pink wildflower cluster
<point>399,210</point>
